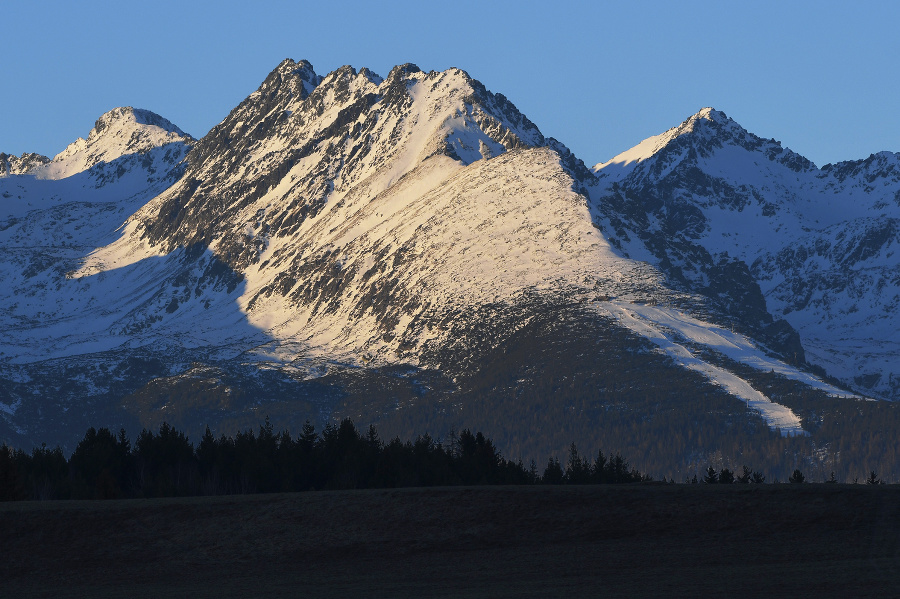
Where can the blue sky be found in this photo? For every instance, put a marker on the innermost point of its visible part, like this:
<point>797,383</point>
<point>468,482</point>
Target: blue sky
<point>822,77</point>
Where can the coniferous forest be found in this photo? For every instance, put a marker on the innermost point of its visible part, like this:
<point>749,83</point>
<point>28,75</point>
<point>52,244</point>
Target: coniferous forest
<point>105,465</point>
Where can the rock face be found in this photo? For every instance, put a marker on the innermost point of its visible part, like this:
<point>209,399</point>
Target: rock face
<point>20,165</point>
<point>412,251</point>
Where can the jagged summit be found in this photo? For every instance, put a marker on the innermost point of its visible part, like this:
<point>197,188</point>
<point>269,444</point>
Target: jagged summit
<point>290,149</point>
<point>883,165</point>
<point>402,70</point>
<point>11,164</point>
<point>127,118</point>
<point>292,77</point>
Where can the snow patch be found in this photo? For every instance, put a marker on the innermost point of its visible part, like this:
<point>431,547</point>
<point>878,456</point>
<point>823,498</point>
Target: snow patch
<point>663,326</point>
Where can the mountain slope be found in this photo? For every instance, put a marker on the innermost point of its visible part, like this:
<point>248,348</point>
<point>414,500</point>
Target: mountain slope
<point>353,214</point>
<point>52,218</point>
<point>815,246</point>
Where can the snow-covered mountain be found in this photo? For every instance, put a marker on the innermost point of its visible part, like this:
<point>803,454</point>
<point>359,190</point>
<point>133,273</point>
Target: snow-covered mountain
<point>413,251</point>
<point>819,243</point>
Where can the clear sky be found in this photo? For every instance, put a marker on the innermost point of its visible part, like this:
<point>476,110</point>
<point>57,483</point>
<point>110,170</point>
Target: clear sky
<point>822,77</point>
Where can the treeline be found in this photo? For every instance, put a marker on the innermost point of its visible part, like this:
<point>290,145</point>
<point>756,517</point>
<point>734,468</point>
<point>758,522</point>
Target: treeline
<point>107,466</point>
<point>728,477</point>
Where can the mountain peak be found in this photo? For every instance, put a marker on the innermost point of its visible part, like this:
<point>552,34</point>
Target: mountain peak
<point>120,131</point>
<point>127,117</point>
<point>401,70</point>
<point>711,114</point>
<point>703,132</point>
<point>289,65</point>
<point>298,76</point>
<point>707,123</point>
<point>650,146</point>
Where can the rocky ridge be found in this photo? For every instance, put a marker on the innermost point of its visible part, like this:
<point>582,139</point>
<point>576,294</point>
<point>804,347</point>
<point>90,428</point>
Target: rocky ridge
<point>20,165</point>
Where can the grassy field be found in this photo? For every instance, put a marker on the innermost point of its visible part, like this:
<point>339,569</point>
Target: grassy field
<point>609,541</point>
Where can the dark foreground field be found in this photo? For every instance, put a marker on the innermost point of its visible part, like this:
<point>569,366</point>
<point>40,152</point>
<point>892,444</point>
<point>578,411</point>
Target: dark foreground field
<point>642,540</point>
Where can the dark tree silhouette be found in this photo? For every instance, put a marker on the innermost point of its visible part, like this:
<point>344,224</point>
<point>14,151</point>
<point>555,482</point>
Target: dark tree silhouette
<point>599,472</point>
<point>101,464</point>
<point>10,482</point>
<point>578,471</point>
<point>553,473</point>
<point>44,473</point>
<point>726,477</point>
<point>165,463</point>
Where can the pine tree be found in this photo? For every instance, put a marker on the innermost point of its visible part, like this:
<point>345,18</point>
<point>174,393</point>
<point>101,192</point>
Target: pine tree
<point>712,477</point>
<point>797,477</point>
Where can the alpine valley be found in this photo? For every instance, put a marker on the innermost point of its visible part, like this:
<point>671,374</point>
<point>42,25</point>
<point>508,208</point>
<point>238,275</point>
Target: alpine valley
<point>411,252</point>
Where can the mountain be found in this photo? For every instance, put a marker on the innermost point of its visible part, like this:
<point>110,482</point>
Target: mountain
<point>815,246</point>
<point>412,252</point>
